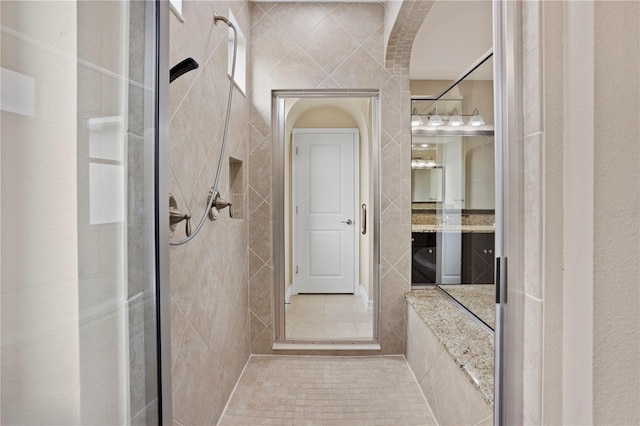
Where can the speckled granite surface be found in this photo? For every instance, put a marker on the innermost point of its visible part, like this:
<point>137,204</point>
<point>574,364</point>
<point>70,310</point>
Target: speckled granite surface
<point>430,218</point>
<point>478,298</point>
<point>454,228</point>
<point>471,347</point>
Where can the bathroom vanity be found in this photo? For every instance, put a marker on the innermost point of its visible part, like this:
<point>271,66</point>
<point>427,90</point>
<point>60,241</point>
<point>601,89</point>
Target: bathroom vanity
<point>476,252</point>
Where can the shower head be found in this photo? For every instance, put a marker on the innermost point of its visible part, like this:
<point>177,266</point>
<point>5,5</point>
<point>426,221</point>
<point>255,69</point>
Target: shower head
<point>183,67</point>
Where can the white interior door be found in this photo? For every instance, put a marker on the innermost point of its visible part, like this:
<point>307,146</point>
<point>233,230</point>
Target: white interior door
<point>449,241</point>
<point>325,186</point>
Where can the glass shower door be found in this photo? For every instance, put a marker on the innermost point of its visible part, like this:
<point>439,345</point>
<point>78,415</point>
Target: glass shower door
<point>78,245</point>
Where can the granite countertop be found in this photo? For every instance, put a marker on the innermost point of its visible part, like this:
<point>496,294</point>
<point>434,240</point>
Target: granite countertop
<point>478,298</point>
<point>481,229</point>
<point>468,344</point>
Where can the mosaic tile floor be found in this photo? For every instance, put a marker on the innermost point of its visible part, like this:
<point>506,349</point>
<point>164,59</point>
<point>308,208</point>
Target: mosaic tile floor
<point>305,390</point>
<point>328,316</point>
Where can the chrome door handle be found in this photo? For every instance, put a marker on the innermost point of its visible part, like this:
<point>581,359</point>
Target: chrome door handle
<point>348,222</point>
<point>364,219</point>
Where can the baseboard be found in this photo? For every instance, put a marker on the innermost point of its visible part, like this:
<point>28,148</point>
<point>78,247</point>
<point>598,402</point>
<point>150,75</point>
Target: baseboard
<point>288,294</point>
<point>368,304</point>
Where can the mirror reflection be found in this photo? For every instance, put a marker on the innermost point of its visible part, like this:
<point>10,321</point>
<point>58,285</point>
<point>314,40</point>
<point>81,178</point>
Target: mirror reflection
<point>453,191</point>
<point>426,182</point>
<point>328,187</point>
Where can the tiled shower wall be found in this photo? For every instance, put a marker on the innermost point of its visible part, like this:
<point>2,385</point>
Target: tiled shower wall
<point>328,46</point>
<point>209,295</point>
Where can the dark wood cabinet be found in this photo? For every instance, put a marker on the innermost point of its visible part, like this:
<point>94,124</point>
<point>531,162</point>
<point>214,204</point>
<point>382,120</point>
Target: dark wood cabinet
<point>423,261</point>
<point>477,258</point>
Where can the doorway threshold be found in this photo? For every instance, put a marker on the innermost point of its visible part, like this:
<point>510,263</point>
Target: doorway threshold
<point>325,346</point>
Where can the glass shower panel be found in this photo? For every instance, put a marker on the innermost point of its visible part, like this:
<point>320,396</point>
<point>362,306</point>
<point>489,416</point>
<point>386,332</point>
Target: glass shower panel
<point>78,227</point>
<point>453,232</point>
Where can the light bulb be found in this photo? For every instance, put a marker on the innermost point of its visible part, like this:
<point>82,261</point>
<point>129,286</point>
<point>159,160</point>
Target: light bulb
<point>416,120</point>
<point>455,120</point>
<point>476,119</point>
<point>435,120</point>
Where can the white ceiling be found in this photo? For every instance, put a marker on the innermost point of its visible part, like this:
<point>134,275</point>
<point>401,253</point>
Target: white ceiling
<point>453,36</point>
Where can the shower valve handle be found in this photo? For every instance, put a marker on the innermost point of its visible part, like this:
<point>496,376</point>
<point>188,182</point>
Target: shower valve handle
<point>218,204</point>
<point>176,216</point>
<point>221,203</point>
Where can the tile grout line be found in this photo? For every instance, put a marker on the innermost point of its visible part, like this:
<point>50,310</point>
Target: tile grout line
<point>226,405</point>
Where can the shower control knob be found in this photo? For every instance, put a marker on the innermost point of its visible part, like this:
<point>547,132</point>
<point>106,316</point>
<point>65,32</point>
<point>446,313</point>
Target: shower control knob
<point>176,216</point>
<point>219,203</point>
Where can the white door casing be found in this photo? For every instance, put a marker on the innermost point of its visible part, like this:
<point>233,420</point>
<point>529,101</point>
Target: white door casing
<point>325,210</point>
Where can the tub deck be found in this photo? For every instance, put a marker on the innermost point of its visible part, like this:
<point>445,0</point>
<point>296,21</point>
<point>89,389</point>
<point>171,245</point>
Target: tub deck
<point>469,346</point>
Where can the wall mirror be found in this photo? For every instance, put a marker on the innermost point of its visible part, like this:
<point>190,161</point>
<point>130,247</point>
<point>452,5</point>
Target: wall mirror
<point>453,182</point>
<point>326,244</point>
<point>426,183</point>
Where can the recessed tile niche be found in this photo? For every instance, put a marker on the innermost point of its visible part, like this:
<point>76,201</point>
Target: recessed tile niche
<point>236,186</point>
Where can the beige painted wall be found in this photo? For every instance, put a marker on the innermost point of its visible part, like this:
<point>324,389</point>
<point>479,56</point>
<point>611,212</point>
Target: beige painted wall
<point>580,213</point>
<point>40,318</point>
<point>326,117</point>
<point>616,314</point>
<point>210,339</point>
<point>428,87</point>
<point>479,180</point>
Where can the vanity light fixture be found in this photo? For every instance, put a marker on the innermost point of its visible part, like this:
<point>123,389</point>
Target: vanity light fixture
<point>435,120</point>
<point>420,163</point>
<point>416,120</point>
<point>455,119</point>
<point>476,119</point>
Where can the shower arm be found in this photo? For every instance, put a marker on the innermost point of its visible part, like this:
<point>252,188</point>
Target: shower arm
<point>214,188</point>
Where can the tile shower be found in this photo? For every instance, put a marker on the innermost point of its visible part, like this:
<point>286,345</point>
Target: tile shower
<point>319,61</point>
<point>209,310</point>
<point>235,277</point>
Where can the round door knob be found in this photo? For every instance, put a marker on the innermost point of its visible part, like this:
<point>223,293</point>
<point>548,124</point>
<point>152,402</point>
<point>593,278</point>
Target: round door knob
<point>348,222</point>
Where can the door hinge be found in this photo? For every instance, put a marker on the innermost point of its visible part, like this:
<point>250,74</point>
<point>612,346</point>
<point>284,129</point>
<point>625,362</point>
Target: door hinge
<point>296,209</point>
<point>296,269</point>
<point>296,150</point>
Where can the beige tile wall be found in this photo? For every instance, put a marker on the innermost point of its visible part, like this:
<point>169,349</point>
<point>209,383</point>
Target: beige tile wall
<point>532,153</point>
<point>322,45</point>
<point>209,277</point>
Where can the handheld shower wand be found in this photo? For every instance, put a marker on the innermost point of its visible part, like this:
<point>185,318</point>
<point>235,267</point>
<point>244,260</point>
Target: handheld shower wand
<point>183,67</point>
<point>214,189</point>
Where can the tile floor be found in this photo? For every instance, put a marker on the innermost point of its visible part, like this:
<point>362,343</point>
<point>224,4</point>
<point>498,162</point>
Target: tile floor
<point>328,316</point>
<point>307,390</point>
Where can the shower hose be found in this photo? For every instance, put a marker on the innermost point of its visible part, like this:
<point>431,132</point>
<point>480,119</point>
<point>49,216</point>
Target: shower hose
<point>217,18</point>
